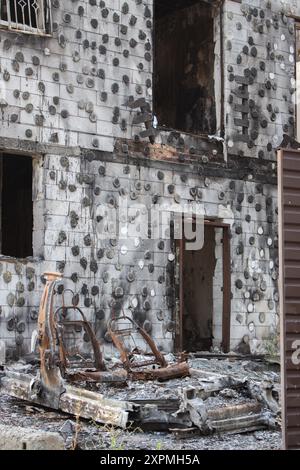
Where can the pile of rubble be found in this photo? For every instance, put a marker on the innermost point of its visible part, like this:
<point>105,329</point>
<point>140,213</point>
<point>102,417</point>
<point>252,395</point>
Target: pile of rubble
<point>186,395</point>
<point>226,395</point>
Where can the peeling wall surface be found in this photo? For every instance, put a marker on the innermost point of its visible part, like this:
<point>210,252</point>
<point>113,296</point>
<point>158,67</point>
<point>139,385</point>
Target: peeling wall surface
<point>70,101</point>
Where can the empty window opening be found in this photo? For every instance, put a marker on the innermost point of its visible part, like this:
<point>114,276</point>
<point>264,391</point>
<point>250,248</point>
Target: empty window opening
<point>26,15</point>
<point>184,87</point>
<point>298,80</point>
<point>16,206</point>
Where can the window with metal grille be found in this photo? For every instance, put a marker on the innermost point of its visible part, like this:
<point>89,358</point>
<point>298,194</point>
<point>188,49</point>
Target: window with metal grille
<point>28,16</point>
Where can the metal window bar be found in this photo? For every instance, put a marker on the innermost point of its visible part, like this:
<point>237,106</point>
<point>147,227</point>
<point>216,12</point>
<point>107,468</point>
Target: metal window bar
<point>28,16</point>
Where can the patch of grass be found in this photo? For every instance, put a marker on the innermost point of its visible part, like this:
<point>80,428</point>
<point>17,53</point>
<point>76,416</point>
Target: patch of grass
<point>113,438</point>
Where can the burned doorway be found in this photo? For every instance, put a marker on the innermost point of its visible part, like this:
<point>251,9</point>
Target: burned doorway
<point>198,302</point>
<point>204,291</point>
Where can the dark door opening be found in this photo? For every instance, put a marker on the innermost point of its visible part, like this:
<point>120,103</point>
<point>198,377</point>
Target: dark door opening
<point>184,87</point>
<point>198,278</point>
<point>16,206</point>
<point>205,292</point>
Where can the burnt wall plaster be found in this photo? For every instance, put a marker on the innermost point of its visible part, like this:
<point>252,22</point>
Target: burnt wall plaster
<point>76,87</point>
<point>259,49</point>
<point>72,88</point>
<point>136,274</point>
<point>57,102</point>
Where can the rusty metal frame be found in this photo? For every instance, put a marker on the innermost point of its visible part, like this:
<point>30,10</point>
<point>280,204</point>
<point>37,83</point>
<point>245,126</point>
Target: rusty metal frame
<point>226,308</point>
<point>51,379</point>
<point>48,387</point>
<point>98,361</point>
<point>126,357</point>
<point>53,355</point>
<point>137,370</point>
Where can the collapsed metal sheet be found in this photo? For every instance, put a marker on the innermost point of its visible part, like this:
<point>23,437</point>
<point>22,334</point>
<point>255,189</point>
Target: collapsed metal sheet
<point>192,412</point>
<point>72,400</point>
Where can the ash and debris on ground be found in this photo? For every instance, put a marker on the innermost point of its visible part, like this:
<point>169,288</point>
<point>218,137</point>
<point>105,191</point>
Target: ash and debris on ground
<point>81,434</point>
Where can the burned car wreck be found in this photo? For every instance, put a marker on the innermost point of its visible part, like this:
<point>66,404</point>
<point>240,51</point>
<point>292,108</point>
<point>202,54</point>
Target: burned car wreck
<point>63,381</point>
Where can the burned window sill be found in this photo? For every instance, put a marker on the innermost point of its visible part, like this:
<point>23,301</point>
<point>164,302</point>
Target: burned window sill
<point>175,146</point>
<point>37,33</point>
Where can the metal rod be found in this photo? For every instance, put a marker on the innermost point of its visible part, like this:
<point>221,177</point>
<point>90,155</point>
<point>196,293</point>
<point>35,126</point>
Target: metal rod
<point>16,13</point>
<point>29,14</point>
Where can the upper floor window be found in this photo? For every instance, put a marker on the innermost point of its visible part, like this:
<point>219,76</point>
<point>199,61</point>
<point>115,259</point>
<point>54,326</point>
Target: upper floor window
<point>185,66</point>
<point>28,16</point>
<point>298,80</point>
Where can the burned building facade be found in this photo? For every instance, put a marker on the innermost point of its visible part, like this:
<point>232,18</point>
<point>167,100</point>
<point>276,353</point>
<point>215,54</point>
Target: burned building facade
<point>149,102</point>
